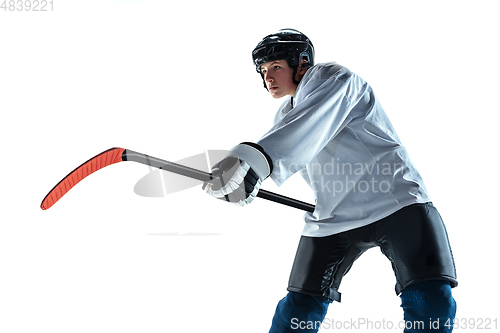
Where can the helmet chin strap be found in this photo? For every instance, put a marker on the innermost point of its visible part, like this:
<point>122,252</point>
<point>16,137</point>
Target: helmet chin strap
<point>304,65</point>
<point>295,74</point>
<point>295,68</point>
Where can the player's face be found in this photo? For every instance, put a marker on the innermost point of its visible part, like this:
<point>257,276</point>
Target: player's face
<point>278,78</point>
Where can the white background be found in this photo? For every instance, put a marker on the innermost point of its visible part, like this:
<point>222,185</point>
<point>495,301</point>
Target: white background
<point>172,79</point>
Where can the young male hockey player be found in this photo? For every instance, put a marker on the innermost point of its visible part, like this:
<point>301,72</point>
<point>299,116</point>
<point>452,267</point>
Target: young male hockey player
<point>332,129</point>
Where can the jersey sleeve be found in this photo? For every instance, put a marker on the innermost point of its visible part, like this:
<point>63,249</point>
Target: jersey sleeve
<point>322,106</point>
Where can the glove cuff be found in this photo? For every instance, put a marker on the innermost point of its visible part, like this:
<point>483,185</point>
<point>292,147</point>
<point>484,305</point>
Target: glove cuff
<point>255,156</point>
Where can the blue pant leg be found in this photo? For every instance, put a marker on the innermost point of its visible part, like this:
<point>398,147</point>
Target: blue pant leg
<point>299,313</point>
<point>429,307</point>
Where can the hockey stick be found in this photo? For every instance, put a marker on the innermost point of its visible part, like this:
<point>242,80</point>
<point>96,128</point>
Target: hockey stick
<point>115,155</point>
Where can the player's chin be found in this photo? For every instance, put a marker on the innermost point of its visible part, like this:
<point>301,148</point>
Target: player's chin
<point>275,94</point>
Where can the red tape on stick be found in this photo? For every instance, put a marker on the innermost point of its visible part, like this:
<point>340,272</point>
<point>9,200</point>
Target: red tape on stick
<point>108,157</point>
<point>115,155</point>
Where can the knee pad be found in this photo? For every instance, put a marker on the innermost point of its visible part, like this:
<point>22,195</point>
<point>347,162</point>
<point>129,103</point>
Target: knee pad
<point>299,313</point>
<point>428,307</point>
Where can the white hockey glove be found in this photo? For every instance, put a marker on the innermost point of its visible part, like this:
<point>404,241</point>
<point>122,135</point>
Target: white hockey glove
<point>238,177</point>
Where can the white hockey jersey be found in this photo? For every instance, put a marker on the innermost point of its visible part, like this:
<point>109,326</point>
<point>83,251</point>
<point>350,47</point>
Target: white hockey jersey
<point>336,134</point>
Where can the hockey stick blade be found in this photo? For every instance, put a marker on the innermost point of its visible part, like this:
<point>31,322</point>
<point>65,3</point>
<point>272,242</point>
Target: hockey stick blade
<point>115,155</point>
<point>108,157</point>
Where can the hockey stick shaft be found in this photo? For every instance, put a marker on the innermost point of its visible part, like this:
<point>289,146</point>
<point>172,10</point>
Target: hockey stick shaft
<point>130,155</point>
<point>115,155</point>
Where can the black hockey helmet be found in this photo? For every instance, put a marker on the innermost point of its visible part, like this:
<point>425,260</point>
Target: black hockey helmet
<point>287,44</point>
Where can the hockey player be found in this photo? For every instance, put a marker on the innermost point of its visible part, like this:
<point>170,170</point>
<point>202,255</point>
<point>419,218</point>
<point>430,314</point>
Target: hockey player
<point>332,129</point>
